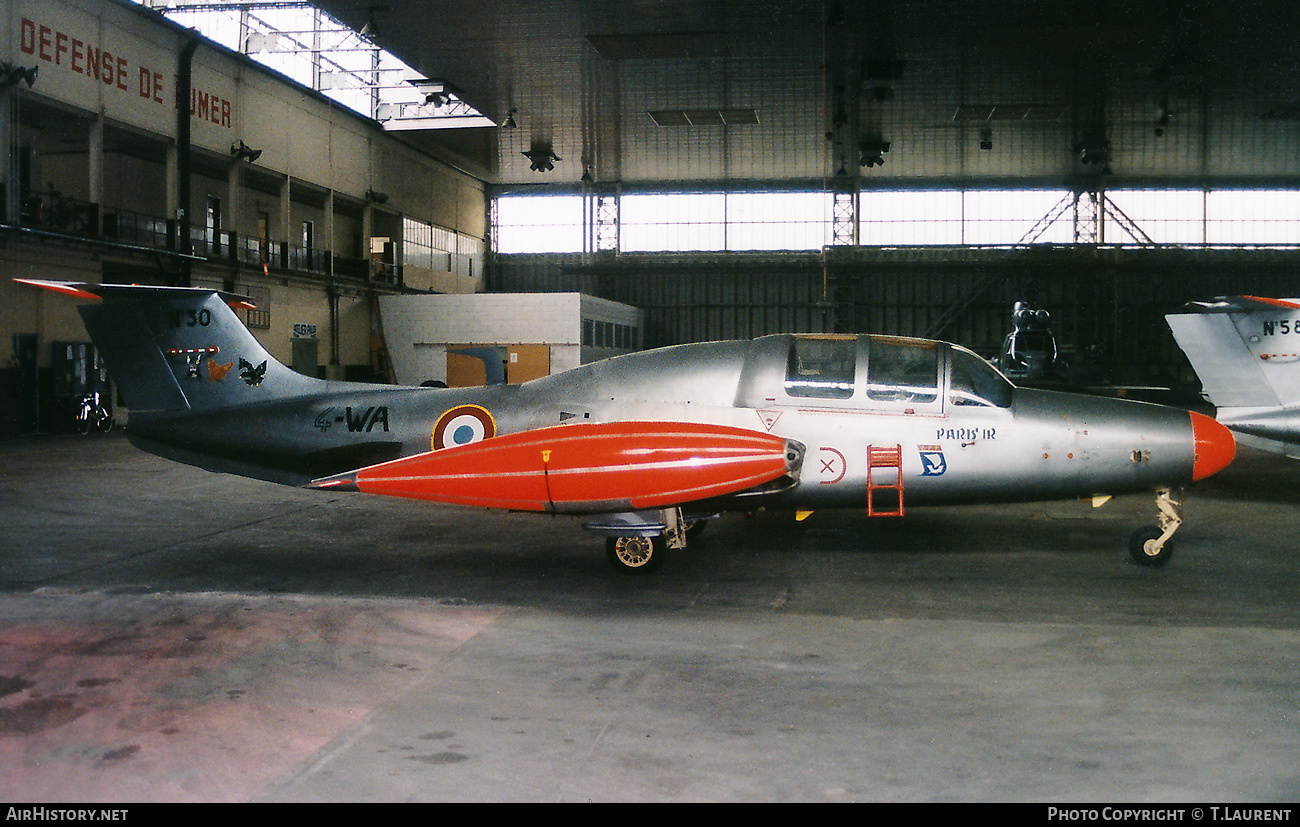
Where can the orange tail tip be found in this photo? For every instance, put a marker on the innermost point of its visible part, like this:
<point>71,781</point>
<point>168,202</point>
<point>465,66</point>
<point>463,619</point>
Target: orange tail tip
<point>67,288</point>
<point>1289,305</point>
<point>1214,446</point>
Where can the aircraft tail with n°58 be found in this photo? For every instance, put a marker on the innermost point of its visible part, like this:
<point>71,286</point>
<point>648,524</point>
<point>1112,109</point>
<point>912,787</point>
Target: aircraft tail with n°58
<point>1246,352</point>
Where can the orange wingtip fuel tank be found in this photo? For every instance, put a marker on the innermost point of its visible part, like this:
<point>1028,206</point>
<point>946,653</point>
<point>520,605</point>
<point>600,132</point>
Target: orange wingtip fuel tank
<point>587,467</point>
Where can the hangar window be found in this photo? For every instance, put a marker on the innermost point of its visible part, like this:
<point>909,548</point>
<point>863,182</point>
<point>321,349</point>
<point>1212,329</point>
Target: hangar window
<point>538,224</point>
<point>907,218</point>
<point>430,247</point>
<point>902,371</point>
<point>1252,217</point>
<point>666,222</point>
<point>821,368</point>
<point>778,220</point>
<point>1218,217</point>
<point>608,334</point>
<point>1167,216</point>
<point>1002,217</point>
<point>663,222</point>
<point>650,222</point>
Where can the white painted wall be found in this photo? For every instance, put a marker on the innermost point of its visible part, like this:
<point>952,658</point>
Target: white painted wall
<point>417,329</point>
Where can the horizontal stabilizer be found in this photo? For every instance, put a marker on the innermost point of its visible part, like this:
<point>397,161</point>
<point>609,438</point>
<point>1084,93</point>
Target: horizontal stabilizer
<point>587,468</point>
<point>1240,304</point>
<point>137,292</point>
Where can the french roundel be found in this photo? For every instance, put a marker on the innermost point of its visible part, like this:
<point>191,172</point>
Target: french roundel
<point>462,425</point>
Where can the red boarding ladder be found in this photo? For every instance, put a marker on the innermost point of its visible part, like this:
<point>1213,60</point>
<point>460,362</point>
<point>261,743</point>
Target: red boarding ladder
<point>888,460</point>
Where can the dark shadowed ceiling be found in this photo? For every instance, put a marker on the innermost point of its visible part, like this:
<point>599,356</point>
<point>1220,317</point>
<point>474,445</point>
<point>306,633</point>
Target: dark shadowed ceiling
<point>703,92</point>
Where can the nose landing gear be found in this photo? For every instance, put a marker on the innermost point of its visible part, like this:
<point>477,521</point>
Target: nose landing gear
<point>1151,545</point>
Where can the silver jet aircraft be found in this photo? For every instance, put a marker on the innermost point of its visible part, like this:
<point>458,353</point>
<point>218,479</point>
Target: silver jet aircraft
<point>1246,351</point>
<point>648,445</point>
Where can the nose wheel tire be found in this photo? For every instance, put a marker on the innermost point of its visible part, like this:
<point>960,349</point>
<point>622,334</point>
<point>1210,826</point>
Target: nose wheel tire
<point>1145,548</point>
<point>635,555</point>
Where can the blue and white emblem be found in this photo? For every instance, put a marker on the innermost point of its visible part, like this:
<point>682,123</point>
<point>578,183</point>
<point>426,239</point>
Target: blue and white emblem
<point>932,462</point>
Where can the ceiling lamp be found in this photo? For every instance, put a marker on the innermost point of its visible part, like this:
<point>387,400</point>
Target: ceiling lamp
<point>541,158</point>
<point>243,152</point>
<point>873,152</point>
<point>10,74</point>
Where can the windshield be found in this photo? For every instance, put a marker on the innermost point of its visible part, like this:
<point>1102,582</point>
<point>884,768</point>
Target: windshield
<point>975,382</point>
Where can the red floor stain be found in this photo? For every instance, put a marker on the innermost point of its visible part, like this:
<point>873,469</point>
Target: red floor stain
<point>197,698</point>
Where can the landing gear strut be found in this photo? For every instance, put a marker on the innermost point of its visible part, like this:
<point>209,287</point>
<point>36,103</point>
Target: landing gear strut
<point>1151,545</point>
<point>642,554</point>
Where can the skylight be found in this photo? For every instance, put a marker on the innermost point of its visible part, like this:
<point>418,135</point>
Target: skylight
<point>309,46</point>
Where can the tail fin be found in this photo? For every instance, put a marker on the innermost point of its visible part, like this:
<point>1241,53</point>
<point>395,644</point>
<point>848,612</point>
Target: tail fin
<point>180,348</point>
<point>1246,351</point>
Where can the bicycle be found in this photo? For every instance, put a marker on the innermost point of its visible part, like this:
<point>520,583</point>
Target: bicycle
<point>93,414</point>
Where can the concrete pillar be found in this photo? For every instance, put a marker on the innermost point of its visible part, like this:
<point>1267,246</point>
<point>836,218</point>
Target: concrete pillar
<point>11,140</point>
<point>327,242</point>
<point>95,186</point>
<point>367,228</point>
<point>326,238</point>
<point>287,237</point>
<point>173,183</point>
<point>234,209</point>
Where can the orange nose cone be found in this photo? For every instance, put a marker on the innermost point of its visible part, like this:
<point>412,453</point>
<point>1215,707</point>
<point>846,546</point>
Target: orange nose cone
<point>1215,446</point>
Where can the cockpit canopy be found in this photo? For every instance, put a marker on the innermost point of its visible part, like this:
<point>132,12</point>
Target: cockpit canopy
<point>885,372</point>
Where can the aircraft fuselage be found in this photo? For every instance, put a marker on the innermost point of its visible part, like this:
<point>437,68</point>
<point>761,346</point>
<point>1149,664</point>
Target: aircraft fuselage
<point>648,442</point>
<point>962,432</point>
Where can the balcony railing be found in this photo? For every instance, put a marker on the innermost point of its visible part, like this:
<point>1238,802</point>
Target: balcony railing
<point>56,213</point>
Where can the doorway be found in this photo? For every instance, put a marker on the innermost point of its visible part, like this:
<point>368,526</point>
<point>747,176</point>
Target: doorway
<point>305,358</point>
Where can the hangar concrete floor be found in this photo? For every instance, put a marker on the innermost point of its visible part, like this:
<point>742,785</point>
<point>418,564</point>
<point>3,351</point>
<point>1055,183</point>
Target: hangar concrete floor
<point>167,634</point>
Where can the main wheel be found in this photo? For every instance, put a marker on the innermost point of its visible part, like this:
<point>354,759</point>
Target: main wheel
<point>694,528</point>
<point>635,555</point>
<point>1142,547</point>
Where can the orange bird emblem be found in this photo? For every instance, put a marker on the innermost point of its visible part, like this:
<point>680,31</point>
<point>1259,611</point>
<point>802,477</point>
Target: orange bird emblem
<point>218,372</point>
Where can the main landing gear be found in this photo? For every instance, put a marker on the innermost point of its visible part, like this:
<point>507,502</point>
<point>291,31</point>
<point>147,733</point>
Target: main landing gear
<point>636,555</point>
<point>1152,545</point>
<point>644,551</point>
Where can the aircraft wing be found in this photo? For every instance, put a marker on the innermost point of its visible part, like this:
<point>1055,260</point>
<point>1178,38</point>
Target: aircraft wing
<point>588,468</point>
